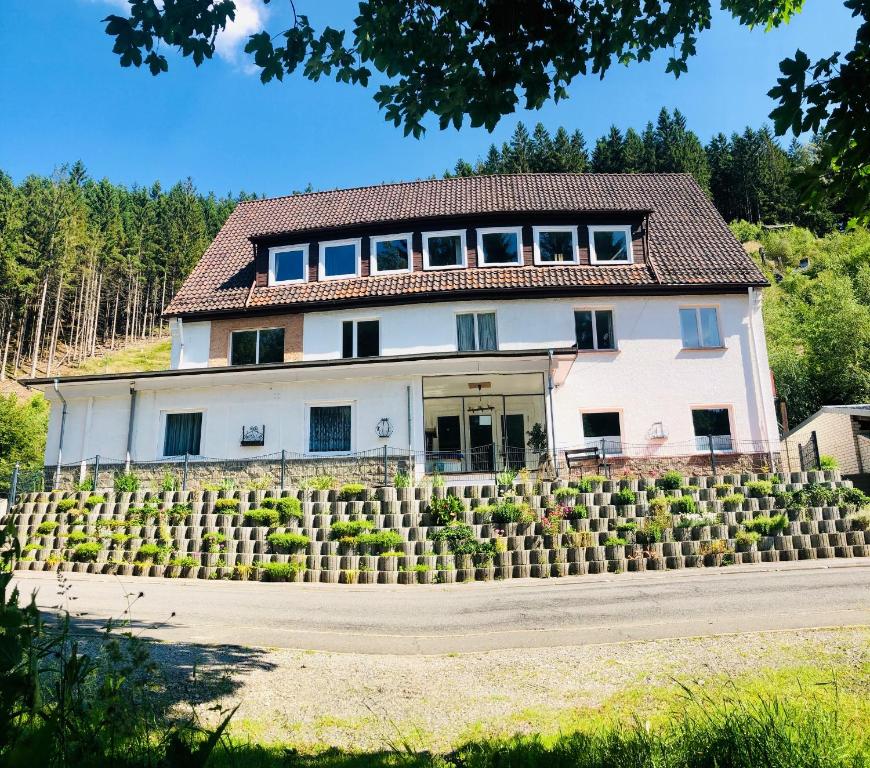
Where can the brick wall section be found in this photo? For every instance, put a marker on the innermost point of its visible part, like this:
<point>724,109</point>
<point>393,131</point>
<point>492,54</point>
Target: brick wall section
<point>219,346</point>
<point>836,435</point>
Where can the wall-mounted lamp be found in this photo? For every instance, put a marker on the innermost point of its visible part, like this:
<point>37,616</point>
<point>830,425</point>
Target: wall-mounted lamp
<point>657,431</point>
<point>384,428</point>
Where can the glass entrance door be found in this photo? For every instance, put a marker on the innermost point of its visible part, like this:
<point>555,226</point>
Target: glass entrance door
<point>513,435</point>
<point>480,442</point>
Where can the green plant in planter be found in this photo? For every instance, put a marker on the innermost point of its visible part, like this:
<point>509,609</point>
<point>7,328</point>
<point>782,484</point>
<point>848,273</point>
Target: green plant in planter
<point>614,541</point>
<point>84,486</point>
<point>381,541</point>
<point>628,527</point>
<point>213,540</point>
<point>267,517</point>
<point>696,521</point>
<point>93,500</point>
<point>560,494</point>
<point>670,481</point>
<point>76,537</point>
<point>859,521</point>
<point>767,526</point>
<point>512,512</point>
<point>506,478</point>
<point>350,491</point>
<point>683,505</point>
<point>142,514</point>
<point>816,495</point>
<point>321,483</point>
<point>723,489</point>
<point>168,483</point>
<point>854,497</point>
<point>184,562</point>
<point>577,512</point>
<point>149,553</point>
<point>86,553</point>
<point>747,538</point>
<point>759,489</point>
<point>288,508</point>
<point>226,505</point>
<point>178,513</point>
<point>125,482</point>
<point>282,571</point>
<point>623,497</point>
<point>446,509</point>
<point>119,538</point>
<point>452,532</point>
<point>402,480</point>
<point>733,501</point>
<point>287,542</point>
<point>349,528</point>
<point>65,505</point>
<point>658,521</point>
<point>46,528</point>
<point>828,462</point>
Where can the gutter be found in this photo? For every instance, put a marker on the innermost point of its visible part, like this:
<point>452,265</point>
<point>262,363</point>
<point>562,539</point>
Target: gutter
<point>62,429</point>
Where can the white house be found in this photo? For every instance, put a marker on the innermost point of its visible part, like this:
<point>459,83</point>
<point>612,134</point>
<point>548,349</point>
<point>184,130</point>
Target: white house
<point>452,318</point>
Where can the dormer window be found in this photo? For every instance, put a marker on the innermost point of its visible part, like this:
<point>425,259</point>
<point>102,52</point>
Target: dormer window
<point>339,258</point>
<point>555,245</point>
<point>610,245</point>
<point>288,264</point>
<point>499,247</point>
<point>444,250</point>
<point>391,253</point>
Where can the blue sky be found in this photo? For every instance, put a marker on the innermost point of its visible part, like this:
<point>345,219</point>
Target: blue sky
<point>64,97</point>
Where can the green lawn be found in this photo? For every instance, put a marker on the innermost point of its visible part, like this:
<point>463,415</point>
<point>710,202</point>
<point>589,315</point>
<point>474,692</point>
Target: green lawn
<point>144,356</point>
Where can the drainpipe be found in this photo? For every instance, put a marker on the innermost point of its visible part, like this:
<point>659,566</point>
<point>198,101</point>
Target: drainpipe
<point>757,380</point>
<point>410,441</point>
<point>180,342</point>
<point>62,429</point>
<point>553,455</point>
<point>130,425</point>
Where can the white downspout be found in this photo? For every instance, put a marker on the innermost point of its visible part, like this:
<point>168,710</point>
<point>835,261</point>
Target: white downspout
<point>180,342</point>
<point>757,380</point>
<point>60,438</point>
<point>553,454</point>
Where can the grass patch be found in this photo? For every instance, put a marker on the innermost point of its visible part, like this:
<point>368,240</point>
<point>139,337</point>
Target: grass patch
<point>147,356</point>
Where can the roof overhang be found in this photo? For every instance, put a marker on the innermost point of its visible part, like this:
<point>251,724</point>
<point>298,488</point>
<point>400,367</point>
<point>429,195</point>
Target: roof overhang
<point>114,384</point>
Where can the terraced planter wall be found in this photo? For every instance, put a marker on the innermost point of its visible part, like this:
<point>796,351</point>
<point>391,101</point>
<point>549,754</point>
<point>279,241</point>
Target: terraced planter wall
<point>150,534</point>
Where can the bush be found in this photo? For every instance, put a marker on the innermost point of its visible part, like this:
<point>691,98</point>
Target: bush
<point>284,543</point>
<point>349,491</point>
<point>683,505</point>
<point>86,553</point>
<point>213,539</point>
<point>733,501</point>
<point>816,495</point>
<point>512,512</point>
<point>747,538</point>
<point>185,562</point>
<point>855,497</point>
<point>446,509</point>
<point>380,540</point>
<point>178,513</point>
<point>267,517</point>
<point>349,529</point>
<point>624,497</point>
<point>628,527</point>
<point>92,501</point>
<point>126,482</point>
<point>696,521</point>
<point>828,462</point>
<point>402,480</point>
<point>859,521</point>
<point>321,483</point>
<point>282,571</point>
<point>452,532</point>
<point>287,507</point>
<point>65,505</point>
<point>723,489</point>
<point>577,512</point>
<point>149,552</point>
<point>46,528</point>
<point>614,541</point>
<point>767,526</point>
<point>226,505</point>
<point>566,493</point>
<point>759,489</point>
<point>76,537</point>
<point>670,481</point>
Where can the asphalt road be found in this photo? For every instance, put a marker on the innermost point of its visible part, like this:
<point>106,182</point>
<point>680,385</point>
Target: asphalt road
<point>471,617</point>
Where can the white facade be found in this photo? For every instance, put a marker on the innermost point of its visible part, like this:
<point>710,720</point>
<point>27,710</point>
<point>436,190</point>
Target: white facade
<point>650,379</point>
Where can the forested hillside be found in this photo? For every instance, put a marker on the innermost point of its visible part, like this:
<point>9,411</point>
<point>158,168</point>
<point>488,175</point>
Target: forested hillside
<point>86,264</point>
<point>748,175</point>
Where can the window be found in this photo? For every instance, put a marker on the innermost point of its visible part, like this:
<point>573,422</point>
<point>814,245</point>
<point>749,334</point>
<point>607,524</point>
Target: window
<point>391,253</point>
<point>555,245</point>
<point>499,247</point>
<point>476,332</point>
<point>264,345</point>
<point>699,327</point>
<point>329,429</point>
<point>610,245</point>
<point>288,264</point>
<point>444,250</point>
<point>339,258</point>
<point>594,329</point>
<point>602,429</point>
<point>360,338</point>
<point>712,425</point>
<point>183,434</point>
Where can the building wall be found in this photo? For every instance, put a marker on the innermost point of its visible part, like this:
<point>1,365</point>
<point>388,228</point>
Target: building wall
<point>836,435</point>
<point>190,344</point>
<point>219,342</point>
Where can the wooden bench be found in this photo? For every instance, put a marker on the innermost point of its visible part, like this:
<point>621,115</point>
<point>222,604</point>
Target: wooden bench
<point>579,456</point>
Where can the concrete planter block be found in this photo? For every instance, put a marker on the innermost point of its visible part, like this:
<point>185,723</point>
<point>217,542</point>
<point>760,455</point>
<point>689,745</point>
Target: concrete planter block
<point>637,564</point>
<point>719,531</point>
<point>539,556</point>
<point>824,553</point>
<point>539,571</point>
<point>854,537</point>
<point>672,549</point>
<point>597,566</point>
<point>836,539</point>
<point>557,570</point>
<point>782,543</point>
<point>617,565</point>
<point>658,563</point>
<point>520,557</point>
<point>806,554</point>
<point>800,542</point>
<point>388,564</point>
<point>672,563</point>
<point>594,554</point>
<point>523,571</point>
<point>861,550</point>
<point>787,555</point>
<point>464,574</point>
<point>330,577</point>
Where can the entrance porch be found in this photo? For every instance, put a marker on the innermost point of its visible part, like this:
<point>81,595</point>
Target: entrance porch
<point>484,422</point>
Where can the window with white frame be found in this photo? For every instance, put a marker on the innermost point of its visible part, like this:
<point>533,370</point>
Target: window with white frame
<point>257,346</point>
<point>602,430</point>
<point>699,327</point>
<point>444,250</point>
<point>329,429</point>
<point>476,332</point>
<point>594,329</point>
<point>339,258</point>
<point>499,247</point>
<point>182,434</point>
<point>712,426</point>
<point>391,253</point>
<point>360,338</point>
<point>610,244</point>
<point>288,264</point>
<point>555,245</point>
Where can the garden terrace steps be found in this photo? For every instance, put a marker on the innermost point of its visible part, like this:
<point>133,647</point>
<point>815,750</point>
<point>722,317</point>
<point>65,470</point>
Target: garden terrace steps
<point>140,533</point>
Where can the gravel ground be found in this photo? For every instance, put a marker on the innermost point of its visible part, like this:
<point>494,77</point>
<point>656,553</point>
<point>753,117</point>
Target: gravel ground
<point>371,702</point>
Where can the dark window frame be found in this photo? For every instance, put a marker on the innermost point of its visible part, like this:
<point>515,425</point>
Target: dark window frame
<point>311,408</point>
<point>167,416</point>
<point>350,341</point>
<point>596,346</point>
<point>231,356</point>
<point>475,315</point>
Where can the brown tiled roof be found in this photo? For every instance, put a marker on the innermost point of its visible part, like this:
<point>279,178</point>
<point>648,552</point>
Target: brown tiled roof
<point>689,243</point>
